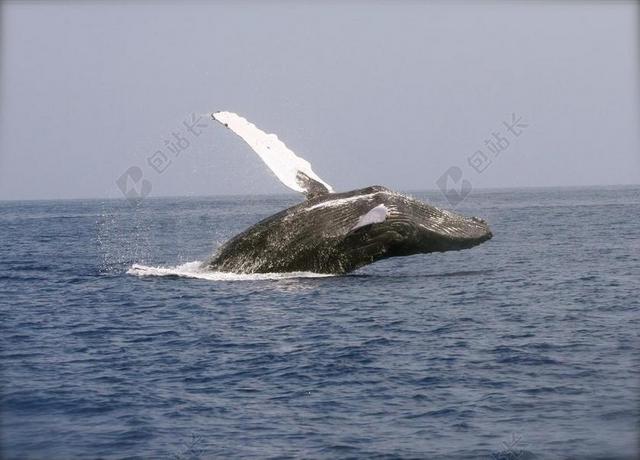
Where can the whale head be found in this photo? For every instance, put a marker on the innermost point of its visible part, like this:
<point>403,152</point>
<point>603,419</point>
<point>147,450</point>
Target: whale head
<point>392,224</point>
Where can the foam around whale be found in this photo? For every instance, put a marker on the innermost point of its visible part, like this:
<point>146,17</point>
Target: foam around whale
<point>195,270</point>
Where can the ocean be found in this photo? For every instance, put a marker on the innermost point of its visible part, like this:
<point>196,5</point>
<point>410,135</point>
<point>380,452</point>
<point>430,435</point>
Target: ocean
<point>115,345</point>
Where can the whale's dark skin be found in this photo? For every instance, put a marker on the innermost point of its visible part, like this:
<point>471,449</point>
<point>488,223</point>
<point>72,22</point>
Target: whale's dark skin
<point>318,235</point>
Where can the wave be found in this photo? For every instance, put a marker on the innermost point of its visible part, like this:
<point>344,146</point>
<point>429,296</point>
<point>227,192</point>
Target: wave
<point>194,270</point>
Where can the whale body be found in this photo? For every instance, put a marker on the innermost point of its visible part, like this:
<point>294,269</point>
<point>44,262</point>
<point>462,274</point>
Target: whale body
<point>336,232</point>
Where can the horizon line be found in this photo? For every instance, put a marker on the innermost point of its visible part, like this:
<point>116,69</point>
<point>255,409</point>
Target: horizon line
<point>283,194</point>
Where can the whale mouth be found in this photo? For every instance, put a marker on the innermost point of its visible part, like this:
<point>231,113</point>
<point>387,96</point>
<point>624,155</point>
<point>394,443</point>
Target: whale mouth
<point>405,233</point>
<point>423,229</point>
<point>466,233</point>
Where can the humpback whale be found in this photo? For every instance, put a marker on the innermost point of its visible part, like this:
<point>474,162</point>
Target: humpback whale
<point>333,232</point>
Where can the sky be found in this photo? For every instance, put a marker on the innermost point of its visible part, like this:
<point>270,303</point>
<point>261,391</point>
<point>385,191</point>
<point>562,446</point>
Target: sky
<point>401,94</point>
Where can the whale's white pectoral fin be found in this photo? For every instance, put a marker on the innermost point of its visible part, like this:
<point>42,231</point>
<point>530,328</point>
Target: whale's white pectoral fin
<point>293,171</point>
<point>374,216</point>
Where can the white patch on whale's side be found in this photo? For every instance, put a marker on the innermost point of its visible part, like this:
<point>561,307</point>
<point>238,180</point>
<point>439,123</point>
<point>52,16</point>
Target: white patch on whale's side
<point>340,201</point>
<point>343,201</point>
<point>374,216</point>
<point>283,162</point>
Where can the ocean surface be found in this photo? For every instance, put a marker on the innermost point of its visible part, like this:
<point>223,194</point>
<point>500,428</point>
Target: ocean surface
<point>115,345</point>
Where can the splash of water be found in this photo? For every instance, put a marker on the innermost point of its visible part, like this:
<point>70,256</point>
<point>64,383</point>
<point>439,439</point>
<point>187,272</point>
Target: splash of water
<point>194,270</point>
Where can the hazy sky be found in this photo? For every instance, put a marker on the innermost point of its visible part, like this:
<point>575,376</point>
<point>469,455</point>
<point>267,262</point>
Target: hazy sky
<point>390,93</point>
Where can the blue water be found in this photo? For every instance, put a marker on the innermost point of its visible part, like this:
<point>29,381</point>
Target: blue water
<point>523,347</point>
